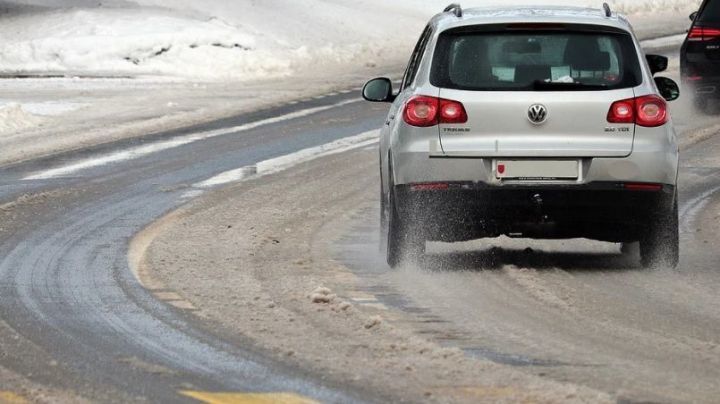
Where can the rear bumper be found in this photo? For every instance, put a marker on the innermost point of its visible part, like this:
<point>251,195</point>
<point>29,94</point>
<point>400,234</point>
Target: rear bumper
<point>701,77</point>
<point>654,159</point>
<point>703,86</point>
<point>602,210</point>
<point>651,161</point>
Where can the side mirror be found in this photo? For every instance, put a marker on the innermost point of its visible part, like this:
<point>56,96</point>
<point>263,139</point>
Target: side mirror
<point>657,63</point>
<point>693,16</point>
<point>378,90</point>
<point>668,88</point>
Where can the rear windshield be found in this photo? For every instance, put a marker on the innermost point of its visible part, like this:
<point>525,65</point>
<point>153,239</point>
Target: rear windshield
<point>711,12</point>
<point>535,61</point>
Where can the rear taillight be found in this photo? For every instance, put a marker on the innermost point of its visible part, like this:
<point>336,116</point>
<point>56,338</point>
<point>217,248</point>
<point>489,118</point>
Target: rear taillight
<point>424,111</point>
<point>649,111</point>
<point>622,112</point>
<point>652,111</point>
<point>703,34</point>
<point>452,112</point>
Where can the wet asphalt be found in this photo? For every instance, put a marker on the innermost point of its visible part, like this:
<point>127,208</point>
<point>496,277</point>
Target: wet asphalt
<point>66,288</point>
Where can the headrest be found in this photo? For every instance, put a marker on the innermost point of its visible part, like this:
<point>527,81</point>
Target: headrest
<point>528,74</point>
<point>470,50</point>
<point>470,65</point>
<point>583,53</point>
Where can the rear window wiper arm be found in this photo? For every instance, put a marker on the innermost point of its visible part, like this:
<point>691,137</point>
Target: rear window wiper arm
<point>559,86</point>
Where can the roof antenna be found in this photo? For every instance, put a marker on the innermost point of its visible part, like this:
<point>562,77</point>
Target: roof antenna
<point>455,8</point>
<point>608,12</point>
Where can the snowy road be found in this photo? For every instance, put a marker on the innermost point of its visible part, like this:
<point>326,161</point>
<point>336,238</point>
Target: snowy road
<point>66,287</point>
<point>578,311</point>
<point>73,316</point>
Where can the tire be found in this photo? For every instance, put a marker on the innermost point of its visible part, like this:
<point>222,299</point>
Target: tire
<point>405,241</point>
<point>630,249</point>
<point>383,220</point>
<point>660,247</point>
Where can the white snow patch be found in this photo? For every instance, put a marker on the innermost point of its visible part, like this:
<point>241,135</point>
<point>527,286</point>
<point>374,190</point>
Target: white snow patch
<point>16,116</point>
<point>243,40</point>
<point>650,6</point>
<point>322,295</point>
<point>47,108</point>
<point>132,42</point>
<point>13,117</point>
<point>123,155</point>
<point>373,322</point>
<point>673,40</point>
<point>281,163</point>
<point>137,152</point>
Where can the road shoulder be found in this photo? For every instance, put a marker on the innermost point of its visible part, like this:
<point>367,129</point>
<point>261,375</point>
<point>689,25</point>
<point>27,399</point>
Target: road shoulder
<point>252,262</point>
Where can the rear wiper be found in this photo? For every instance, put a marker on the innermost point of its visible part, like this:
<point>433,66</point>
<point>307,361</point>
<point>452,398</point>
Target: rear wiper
<point>540,85</point>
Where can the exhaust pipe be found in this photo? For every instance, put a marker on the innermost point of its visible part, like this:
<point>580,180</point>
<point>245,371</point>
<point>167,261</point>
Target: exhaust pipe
<point>706,90</point>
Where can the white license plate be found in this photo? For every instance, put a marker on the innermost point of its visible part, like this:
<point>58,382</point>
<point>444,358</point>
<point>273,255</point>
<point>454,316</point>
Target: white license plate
<point>545,170</point>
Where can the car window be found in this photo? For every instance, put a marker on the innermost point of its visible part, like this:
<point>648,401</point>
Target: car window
<point>710,12</point>
<point>535,60</point>
<point>416,57</point>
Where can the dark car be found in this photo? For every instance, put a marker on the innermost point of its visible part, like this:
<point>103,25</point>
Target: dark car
<point>700,54</point>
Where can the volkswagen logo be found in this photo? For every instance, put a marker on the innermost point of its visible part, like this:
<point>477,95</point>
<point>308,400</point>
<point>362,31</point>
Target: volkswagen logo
<point>537,114</point>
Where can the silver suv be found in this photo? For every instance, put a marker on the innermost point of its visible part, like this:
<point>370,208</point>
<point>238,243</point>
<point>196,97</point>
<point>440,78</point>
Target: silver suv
<point>529,122</point>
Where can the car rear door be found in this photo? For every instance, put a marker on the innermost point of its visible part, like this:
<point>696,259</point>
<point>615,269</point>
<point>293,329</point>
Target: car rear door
<point>502,124</point>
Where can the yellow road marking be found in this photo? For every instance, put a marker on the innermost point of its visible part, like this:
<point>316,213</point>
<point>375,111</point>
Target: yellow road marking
<point>167,296</point>
<point>8,397</point>
<point>247,398</point>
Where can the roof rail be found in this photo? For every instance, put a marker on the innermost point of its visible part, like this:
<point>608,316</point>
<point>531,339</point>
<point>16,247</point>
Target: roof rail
<point>455,8</point>
<point>608,11</point>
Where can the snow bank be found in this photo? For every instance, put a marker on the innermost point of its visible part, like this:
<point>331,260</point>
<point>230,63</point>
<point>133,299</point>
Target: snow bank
<point>131,42</point>
<point>649,6</point>
<point>16,116</point>
<point>13,118</point>
<point>238,40</point>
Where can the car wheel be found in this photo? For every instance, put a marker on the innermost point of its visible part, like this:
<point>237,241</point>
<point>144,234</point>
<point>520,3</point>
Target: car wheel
<point>384,214</point>
<point>660,247</point>
<point>629,249</point>
<point>405,241</point>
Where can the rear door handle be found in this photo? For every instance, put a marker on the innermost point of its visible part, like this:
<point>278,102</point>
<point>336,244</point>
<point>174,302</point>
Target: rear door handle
<point>389,121</point>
